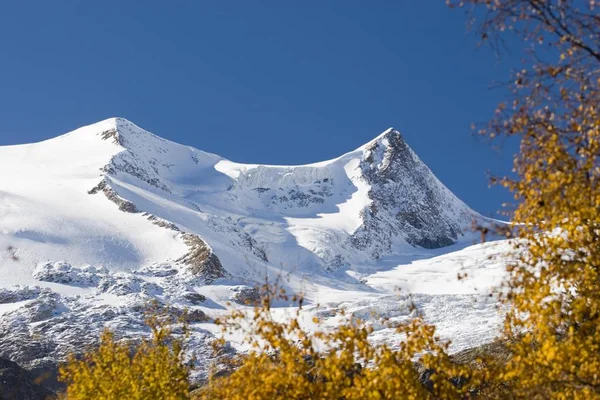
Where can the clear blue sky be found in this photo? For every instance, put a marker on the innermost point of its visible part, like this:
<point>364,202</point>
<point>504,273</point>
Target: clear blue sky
<point>258,81</point>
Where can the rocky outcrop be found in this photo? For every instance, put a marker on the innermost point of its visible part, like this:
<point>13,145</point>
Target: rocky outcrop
<point>162,223</point>
<point>124,205</point>
<point>126,135</point>
<point>44,327</point>
<point>61,272</point>
<point>121,284</point>
<point>127,163</point>
<point>201,260</point>
<point>18,384</point>
<point>407,201</point>
<point>112,134</point>
<point>194,297</point>
<point>18,293</point>
<point>245,295</point>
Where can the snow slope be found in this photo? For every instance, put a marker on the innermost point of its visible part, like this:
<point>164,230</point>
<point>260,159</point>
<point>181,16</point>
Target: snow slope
<point>96,222</point>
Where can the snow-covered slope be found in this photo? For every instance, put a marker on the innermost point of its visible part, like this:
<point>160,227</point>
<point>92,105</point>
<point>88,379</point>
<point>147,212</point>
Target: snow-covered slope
<point>109,215</point>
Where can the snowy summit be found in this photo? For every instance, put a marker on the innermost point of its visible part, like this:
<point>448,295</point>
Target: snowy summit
<point>96,222</point>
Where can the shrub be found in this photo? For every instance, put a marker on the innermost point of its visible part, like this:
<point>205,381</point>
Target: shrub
<point>116,370</point>
<point>288,362</point>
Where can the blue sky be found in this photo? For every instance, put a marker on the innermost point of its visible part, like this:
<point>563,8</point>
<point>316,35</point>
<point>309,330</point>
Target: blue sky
<point>275,82</point>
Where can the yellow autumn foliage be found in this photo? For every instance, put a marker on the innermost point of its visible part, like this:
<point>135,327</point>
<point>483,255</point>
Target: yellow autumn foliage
<point>150,370</point>
<point>288,362</point>
<point>554,110</point>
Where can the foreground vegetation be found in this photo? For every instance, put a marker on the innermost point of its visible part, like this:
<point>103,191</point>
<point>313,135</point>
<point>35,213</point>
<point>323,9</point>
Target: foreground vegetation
<point>551,343</point>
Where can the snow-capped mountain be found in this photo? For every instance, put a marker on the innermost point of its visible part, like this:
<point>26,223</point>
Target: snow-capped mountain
<point>213,215</point>
<point>95,222</point>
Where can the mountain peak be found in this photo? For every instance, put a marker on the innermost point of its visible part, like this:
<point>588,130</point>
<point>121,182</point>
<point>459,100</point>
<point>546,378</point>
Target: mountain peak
<point>389,135</point>
<point>390,130</point>
<point>106,227</point>
<point>124,132</point>
<point>114,122</point>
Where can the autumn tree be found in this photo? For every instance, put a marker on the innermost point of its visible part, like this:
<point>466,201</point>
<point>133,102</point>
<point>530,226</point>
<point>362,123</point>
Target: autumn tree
<point>152,369</point>
<point>287,361</point>
<point>554,110</point>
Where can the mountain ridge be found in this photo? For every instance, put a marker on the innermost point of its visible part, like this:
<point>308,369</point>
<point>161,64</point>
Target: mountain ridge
<point>99,221</point>
<point>381,184</point>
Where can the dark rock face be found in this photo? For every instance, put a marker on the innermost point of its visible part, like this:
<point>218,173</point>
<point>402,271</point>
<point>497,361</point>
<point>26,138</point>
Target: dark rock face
<point>201,260</point>
<point>162,223</point>
<point>18,384</point>
<point>407,201</point>
<point>18,293</point>
<point>160,270</point>
<point>251,244</point>
<point>112,134</point>
<point>245,295</point>
<point>193,297</point>
<point>195,316</point>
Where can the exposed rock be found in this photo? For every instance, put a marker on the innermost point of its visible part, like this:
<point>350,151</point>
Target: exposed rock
<point>112,134</point>
<point>44,306</point>
<point>246,295</point>
<point>18,384</point>
<point>18,293</point>
<point>297,196</point>
<point>497,351</point>
<point>41,333</point>
<point>201,260</point>
<point>194,297</point>
<point>249,242</point>
<point>121,284</point>
<point>124,205</point>
<point>336,263</point>
<point>159,270</point>
<point>193,316</point>
<point>407,201</point>
<point>425,375</point>
<point>162,223</point>
<point>128,163</point>
<point>61,272</point>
